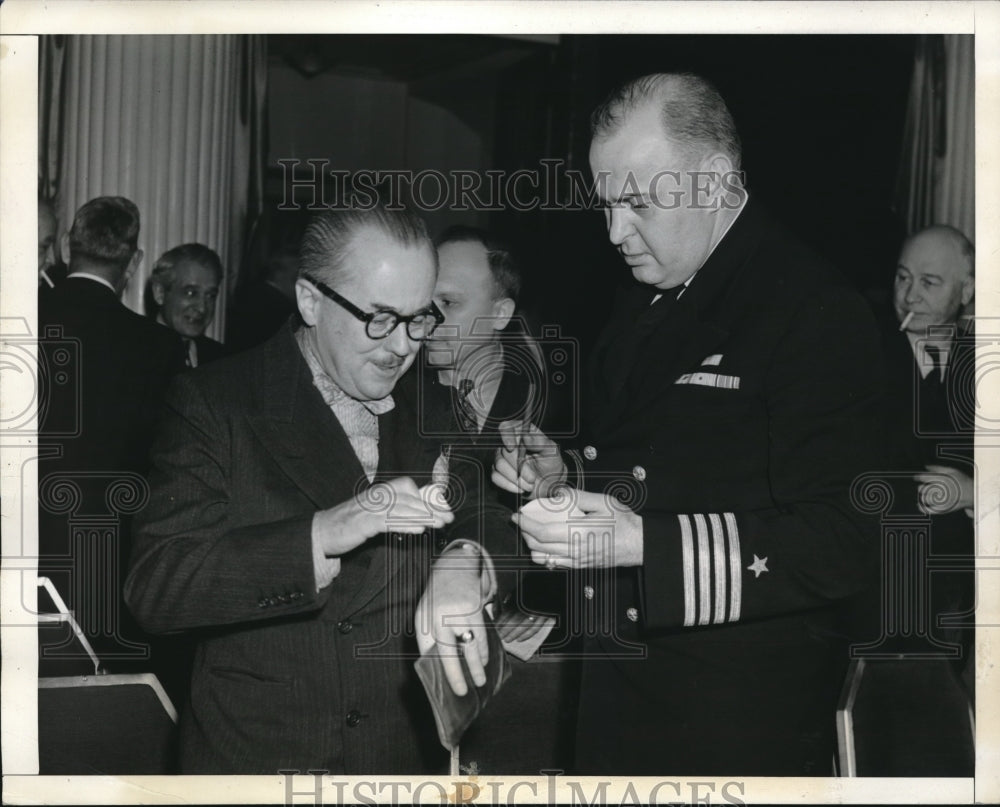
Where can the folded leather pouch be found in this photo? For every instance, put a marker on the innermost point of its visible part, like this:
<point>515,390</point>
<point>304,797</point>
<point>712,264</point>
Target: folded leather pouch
<point>454,714</point>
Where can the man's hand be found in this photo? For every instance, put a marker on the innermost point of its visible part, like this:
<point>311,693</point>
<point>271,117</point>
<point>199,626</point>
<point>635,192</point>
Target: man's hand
<point>450,615</point>
<point>529,462</point>
<point>586,543</point>
<point>944,490</point>
<point>393,506</point>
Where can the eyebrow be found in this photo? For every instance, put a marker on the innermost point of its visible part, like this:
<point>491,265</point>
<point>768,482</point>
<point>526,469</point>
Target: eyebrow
<point>376,306</point>
<point>625,197</point>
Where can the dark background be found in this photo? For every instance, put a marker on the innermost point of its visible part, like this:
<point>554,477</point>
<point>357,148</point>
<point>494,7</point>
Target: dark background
<point>821,118</point>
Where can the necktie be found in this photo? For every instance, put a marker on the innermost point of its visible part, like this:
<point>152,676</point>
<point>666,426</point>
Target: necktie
<point>191,354</point>
<point>467,419</point>
<point>936,359</point>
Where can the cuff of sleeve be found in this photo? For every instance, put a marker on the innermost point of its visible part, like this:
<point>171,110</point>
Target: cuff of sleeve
<point>486,569</point>
<point>661,580</point>
<point>574,469</point>
<point>692,570</point>
<point>324,569</point>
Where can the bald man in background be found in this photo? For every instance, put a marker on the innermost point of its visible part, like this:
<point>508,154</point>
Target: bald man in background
<point>930,420</point>
<point>924,729</point>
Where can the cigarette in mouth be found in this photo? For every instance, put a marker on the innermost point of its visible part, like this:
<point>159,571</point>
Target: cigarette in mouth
<point>906,321</point>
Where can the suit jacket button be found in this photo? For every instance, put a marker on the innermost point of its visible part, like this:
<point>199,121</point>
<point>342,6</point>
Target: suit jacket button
<point>632,614</point>
<point>353,718</point>
<point>588,592</point>
<point>345,626</point>
<point>639,473</point>
<point>590,452</point>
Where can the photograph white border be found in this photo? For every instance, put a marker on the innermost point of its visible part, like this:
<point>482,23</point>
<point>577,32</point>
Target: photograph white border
<point>20,23</point>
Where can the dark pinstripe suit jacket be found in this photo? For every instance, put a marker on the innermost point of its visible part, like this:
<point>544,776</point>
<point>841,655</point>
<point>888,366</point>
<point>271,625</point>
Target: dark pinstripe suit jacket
<point>284,677</point>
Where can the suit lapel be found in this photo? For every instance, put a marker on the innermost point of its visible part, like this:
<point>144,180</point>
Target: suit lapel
<point>513,399</point>
<point>298,429</point>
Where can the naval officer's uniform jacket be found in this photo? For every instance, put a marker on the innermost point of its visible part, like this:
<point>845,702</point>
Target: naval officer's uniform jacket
<point>733,419</point>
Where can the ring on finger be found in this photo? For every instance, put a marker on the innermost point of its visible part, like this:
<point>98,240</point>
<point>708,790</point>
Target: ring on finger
<point>466,637</point>
<point>550,562</point>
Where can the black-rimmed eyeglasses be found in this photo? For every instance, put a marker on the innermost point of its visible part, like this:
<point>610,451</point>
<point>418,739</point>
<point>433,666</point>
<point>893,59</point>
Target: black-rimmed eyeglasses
<point>379,324</point>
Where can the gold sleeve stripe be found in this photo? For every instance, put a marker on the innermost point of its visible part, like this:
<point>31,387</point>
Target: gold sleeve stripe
<point>735,568</point>
<point>687,550</point>
<point>719,560</point>
<point>704,572</point>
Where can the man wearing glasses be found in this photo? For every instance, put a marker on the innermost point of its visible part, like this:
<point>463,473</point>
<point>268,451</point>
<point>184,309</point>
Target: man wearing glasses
<point>290,497</point>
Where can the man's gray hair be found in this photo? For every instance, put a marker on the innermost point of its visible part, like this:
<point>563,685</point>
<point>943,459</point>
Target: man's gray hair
<point>165,269</point>
<point>692,112</point>
<point>105,231</point>
<point>327,238</point>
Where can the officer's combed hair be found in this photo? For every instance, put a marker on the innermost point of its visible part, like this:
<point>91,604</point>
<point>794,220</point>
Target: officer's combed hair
<point>105,230</point>
<point>328,236</point>
<point>503,265</point>
<point>692,111</point>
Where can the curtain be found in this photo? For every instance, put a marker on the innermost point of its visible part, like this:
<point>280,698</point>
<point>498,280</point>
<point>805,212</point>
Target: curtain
<point>169,122</point>
<point>936,178</point>
<point>51,57</point>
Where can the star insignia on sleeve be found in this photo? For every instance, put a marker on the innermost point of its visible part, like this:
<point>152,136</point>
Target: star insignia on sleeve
<point>758,567</point>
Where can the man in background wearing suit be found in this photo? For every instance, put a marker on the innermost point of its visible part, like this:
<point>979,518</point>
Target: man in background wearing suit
<point>96,433</point>
<point>732,399</point>
<point>184,287</point>
<point>929,430</point>
<point>484,371</point>
<point>286,527</point>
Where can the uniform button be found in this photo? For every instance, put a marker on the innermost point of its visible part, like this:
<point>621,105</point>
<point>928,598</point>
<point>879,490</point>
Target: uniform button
<point>632,614</point>
<point>639,473</point>
<point>283,598</point>
<point>353,718</point>
<point>590,452</point>
<point>345,626</point>
<point>272,601</point>
<point>262,602</point>
<point>295,595</point>
<point>588,592</point>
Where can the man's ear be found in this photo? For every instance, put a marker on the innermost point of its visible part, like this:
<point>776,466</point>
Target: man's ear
<point>159,293</point>
<point>307,297</point>
<point>64,247</point>
<point>503,310</point>
<point>133,264</point>
<point>968,289</point>
<point>719,169</point>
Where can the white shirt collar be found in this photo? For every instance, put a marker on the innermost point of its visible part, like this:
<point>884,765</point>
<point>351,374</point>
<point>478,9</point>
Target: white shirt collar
<point>918,344</point>
<point>103,281</point>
